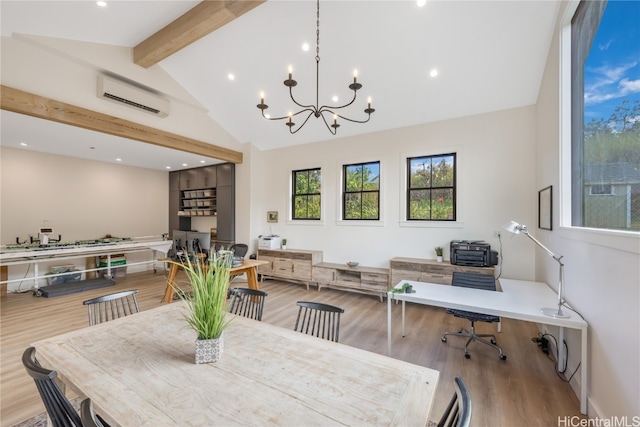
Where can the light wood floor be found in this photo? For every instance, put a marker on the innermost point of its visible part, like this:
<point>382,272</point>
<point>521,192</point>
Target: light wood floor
<point>524,390</point>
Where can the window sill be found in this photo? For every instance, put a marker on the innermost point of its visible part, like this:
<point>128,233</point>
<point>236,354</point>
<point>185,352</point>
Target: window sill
<point>626,241</point>
<point>431,224</point>
<point>358,223</point>
<point>305,222</point>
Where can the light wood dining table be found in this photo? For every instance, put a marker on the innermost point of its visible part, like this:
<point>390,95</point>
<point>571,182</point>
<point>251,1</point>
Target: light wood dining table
<point>139,370</point>
<point>248,267</point>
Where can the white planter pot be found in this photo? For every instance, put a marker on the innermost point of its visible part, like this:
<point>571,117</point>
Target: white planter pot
<point>208,351</point>
<point>439,258</point>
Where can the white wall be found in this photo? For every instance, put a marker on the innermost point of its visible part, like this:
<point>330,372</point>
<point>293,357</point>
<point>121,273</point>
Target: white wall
<point>602,272</point>
<point>495,184</point>
<point>81,200</point>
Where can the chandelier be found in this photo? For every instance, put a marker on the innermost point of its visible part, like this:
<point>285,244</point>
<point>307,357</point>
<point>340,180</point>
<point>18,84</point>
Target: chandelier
<point>316,110</point>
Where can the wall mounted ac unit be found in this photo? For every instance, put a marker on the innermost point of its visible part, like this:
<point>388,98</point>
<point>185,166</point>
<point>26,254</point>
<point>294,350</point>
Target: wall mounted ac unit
<point>132,96</point>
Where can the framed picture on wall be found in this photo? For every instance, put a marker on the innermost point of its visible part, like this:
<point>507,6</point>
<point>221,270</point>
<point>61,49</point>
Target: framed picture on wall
<point>272,216</point>
<point>544,208</point>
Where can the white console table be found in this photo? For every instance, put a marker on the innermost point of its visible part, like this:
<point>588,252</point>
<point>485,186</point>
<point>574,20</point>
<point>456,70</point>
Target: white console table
<point>519,300</point>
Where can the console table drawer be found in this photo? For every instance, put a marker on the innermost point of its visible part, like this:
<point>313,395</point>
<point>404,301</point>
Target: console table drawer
<point>405,266</point>
<point>324,275</point>
<point>301,270</point>
<point>443,279</point>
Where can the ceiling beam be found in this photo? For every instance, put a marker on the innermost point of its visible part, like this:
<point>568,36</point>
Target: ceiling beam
<point>37,106</point>
<point>201,20</point>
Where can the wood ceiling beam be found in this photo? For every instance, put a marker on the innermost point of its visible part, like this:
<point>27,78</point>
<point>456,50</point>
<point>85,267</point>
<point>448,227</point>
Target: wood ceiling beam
<point>37,106</point>
<point>201,20</point>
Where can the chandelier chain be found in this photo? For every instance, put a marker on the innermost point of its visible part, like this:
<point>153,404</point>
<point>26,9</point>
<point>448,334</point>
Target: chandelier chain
<point>317,110</point>
<point>318,33</point>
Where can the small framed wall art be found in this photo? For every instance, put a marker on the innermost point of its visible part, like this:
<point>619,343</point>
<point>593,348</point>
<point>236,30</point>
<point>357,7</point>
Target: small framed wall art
<point>272,216</point>
<point>545,208</point>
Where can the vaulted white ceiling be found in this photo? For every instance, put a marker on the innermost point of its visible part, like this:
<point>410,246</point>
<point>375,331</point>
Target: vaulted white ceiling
<point>490,55</point>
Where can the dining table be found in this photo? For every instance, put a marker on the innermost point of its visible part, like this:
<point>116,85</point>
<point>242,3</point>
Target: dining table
<point>140,370</point>
<point>248,267</point>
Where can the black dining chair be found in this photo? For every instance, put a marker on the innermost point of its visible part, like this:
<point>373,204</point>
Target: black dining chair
<point>89,417</point>
<point>247,302</point>
<point>476,281</point>
<point>318,319</point>
<point>61,411</point>
<point>458,412</point>
<point>112,306</point>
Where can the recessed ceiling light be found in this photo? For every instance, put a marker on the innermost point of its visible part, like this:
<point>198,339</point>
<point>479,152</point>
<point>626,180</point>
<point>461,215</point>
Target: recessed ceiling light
<point>421,3</point>
<point>202,161</point>
<point>118,159</point>
<point>305,47</point>
<point>335,98</point>
<point>167,167</point>
<point>184,164</point>
<point>433,72</point>
<point>230,76</point>
<point>24,144</point>
<point>101,3</point>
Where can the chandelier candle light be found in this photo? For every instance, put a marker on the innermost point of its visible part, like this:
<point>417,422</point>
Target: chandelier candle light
<point>317,110</point>
<point>514,227</point>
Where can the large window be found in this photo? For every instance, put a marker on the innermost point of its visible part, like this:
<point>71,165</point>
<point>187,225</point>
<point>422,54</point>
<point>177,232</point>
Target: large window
<point>306,194</point>
<point>361,191</point>
<point>431,188</point>
<point>605,62</point>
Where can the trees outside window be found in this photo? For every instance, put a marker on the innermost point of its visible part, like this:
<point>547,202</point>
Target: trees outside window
<point>431,188</point>
<point>307,185</point>
<point>361,191</point>
<point>605,86</point>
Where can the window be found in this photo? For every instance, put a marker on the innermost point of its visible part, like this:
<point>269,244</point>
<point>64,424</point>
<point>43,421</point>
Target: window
<point>431,188</point>
<point>361,191</point>
<point>307,184</point>
<point>601,190</point>
<point>605,115</point>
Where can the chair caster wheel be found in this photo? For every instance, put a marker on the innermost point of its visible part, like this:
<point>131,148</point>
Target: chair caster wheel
<point>503,356</point>
<point>444,339</point>
<point>493,342</point>
<point>467,356</point>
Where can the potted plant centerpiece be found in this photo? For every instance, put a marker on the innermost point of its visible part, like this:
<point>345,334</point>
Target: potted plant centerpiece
<point>207,302</point>
<point>438,250</point>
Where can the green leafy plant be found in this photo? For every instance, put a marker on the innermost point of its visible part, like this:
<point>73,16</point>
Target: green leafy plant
<point>207,301</point>
<point>438,250</point>
<point>284,241</point>
<point>401,290</point>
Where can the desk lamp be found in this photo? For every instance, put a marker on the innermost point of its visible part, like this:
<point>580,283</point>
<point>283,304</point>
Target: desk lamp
<point>514,227</point>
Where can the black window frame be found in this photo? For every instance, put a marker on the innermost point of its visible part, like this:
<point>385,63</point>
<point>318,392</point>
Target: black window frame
<point>411,189</point>
<point>346,194</point>
<point>306,195</point>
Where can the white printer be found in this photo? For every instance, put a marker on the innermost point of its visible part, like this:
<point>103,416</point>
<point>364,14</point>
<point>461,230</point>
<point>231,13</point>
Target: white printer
<point>271,241</point>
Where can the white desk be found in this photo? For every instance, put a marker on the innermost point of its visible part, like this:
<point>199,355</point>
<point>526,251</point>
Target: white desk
<point>140,370</point>
<point>519,300</point>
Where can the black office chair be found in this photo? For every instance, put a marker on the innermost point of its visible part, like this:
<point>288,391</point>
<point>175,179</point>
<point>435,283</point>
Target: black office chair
<point>318,319</point>
<point>458,412</point>
<point>239,249</point>
<point>477,281</point>
<point>247,302</point>
<point>112,306</point>
<point>60,410</point>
